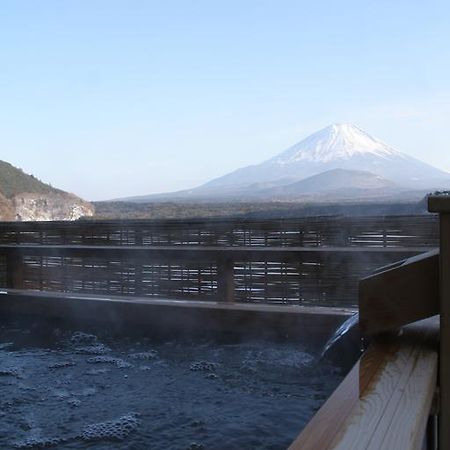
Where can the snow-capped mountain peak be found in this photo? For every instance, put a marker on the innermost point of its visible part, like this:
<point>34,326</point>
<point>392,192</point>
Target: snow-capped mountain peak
<point>338,146</point>
<point>336,157</point>
<point>337,141</point>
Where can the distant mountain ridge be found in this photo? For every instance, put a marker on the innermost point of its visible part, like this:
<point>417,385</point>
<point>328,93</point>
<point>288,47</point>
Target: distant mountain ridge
<point>338,147</point>
<point>340,183</point>
<point>24,197</point>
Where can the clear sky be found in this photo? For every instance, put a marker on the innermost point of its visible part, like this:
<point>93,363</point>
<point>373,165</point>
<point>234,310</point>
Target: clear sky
<point>117,98</point>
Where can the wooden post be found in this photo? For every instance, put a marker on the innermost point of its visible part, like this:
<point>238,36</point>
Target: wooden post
<point>14,270</point>
<point>138,265</point>
<point>441,204</point>
<point>444,372</point>
<point>225,279</point>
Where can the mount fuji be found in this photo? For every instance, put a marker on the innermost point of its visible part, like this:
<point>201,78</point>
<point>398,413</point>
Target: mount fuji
<point>340,158</point>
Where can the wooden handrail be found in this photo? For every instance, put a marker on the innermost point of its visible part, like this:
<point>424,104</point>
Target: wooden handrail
<point>384,231</point>
<point>385,400</point>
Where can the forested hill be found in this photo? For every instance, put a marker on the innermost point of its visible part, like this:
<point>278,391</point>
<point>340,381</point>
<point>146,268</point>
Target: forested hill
<point>25,197</point>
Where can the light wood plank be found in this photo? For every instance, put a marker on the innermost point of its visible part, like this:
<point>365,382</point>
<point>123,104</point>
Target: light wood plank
<point>389,409</point>
<point>359,430</point>
<point>406,427</point>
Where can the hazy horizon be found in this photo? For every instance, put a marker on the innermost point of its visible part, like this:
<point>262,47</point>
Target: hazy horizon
<point>109,99</point>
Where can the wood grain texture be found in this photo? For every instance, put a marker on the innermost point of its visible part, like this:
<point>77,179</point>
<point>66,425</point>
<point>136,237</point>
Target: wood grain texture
<point>385,400</point>
<point>405,421</point>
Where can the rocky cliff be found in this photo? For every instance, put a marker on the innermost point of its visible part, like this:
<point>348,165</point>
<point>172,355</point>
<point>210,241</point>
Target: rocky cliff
<point>51,206</point>
<point>24,197</point>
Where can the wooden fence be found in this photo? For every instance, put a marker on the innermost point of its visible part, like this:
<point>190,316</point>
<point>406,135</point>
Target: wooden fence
<point>389,231</point>
<point>305,261</point>
<point>297,275</point>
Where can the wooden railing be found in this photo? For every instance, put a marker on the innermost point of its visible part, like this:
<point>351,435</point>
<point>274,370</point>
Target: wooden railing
<point>295,275</point>
<point>388,231</point>
<point>386,400</point>
<point>288,273</point>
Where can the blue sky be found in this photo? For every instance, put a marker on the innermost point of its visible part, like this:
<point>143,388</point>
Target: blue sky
<point>117,98</point>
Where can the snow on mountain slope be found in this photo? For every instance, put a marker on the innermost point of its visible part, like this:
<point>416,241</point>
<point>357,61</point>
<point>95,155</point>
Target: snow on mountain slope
<point>339,146</point>
<point>338,141</point>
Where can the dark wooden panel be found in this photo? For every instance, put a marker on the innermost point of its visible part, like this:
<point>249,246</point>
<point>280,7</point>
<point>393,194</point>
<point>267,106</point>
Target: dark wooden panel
<point>321,275</point>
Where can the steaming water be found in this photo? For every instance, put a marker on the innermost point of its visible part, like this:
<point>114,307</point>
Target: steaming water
<point>340,333</point>
<point>72,390</point>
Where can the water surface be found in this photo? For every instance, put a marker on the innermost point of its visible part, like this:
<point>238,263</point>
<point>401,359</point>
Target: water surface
<point>75,390</point>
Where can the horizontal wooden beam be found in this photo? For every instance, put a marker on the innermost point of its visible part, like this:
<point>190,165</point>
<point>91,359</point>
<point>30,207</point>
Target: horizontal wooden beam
<point>168,316</point>
<point>328,221</point>
<point>402,293</point>
<point>18,295</point>
<point>203,253</point>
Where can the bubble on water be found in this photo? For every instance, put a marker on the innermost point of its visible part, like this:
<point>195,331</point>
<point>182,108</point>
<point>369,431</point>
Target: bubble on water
<point>211,376</point>
<point>74,402</point>
<point>152,354</point>
<point>195,446</point>
<point>109,360</point>
<point>96,349</point>
<point>10,371</point>
<point>117,430</point>
<point>78,337</point>
<point>36,442</point>
<point>61,365</point>
<point>203,366</point>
